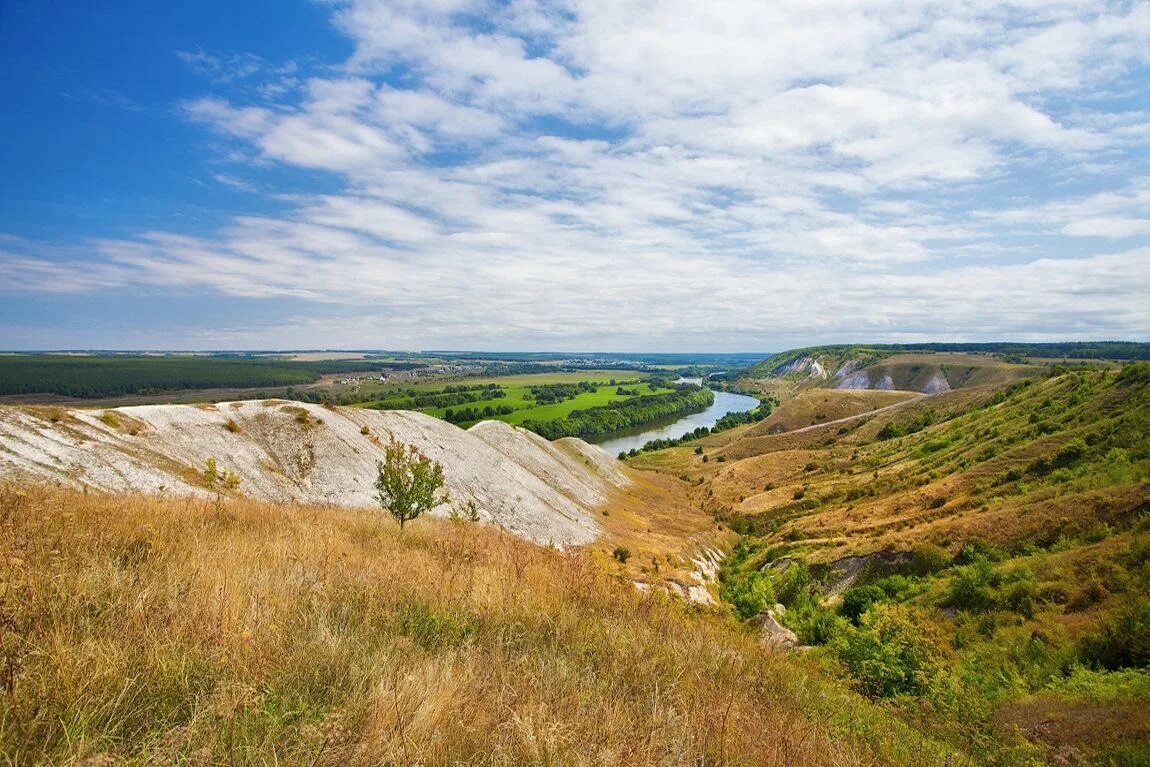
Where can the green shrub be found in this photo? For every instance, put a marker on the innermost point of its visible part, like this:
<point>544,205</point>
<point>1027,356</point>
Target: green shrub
<point>926,558</point>
<point>814,624</point>
<point>794,584</point>
<point>1123,640</point>
<point>1021,597</point>
<point>972,586</point>
<point>890,653</point>
<point>976,549</point>
<point>749,593</point>
<point>858,600</point>
<point>621,553</point>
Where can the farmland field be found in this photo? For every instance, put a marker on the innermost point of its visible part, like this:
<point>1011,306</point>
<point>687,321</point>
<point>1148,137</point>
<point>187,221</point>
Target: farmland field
<point>518,398</point>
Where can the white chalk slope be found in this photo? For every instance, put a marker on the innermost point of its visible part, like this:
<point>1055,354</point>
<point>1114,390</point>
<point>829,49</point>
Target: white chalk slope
<point>297,452</point>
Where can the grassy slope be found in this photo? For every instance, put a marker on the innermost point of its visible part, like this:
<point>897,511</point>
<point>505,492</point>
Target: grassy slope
<point>876,494</point>
<point>816,406</point>
<point>147,631</point>
<point>1051,477</point>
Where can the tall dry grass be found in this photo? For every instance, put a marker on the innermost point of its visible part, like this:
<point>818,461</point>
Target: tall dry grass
<point>171,631</point>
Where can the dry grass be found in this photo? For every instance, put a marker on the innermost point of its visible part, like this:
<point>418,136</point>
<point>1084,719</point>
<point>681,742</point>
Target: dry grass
<point>816,406</point>
<point>146,631</point>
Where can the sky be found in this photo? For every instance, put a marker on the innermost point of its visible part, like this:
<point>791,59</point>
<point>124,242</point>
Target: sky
<point>610,175</point>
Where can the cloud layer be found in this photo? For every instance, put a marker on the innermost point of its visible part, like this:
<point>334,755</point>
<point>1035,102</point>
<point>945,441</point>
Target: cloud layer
<point>670,174</point>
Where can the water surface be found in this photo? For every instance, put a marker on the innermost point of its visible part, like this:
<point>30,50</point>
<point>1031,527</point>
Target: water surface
<point>677,426</point>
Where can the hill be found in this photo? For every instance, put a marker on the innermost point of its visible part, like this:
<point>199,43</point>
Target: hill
<point>145,631</point>
<point>885,368</point>
<point>969,574</point>
<point>865,354</point>
<point>298,452</point>
<point>984,552</point>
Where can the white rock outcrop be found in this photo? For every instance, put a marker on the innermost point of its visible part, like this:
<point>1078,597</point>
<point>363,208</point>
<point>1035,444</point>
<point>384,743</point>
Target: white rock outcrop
<point>298,452</point>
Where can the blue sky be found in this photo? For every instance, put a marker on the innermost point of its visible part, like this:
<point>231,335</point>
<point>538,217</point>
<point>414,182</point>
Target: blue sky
<point>662,175</point>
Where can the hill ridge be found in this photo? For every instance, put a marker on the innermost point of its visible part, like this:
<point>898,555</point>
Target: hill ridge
<point>298,452</point>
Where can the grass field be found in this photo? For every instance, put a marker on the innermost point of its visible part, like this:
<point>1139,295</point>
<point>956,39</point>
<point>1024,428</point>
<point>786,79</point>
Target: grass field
<point>518,394</point>
<point>145,631</point>
<point>526,409</point>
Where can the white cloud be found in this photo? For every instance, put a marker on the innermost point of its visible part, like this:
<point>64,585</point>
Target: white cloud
<point>680,174</point>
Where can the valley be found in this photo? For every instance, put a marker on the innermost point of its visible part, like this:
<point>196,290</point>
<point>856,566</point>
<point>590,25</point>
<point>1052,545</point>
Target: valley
<point>914,576</point>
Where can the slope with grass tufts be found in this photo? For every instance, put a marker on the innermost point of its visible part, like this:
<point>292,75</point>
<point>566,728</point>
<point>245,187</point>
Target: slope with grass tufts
<point>144,631</point>
<point>980,556</point>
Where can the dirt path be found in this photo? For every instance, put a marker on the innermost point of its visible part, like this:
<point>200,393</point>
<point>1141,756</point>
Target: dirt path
<point>867,414</point>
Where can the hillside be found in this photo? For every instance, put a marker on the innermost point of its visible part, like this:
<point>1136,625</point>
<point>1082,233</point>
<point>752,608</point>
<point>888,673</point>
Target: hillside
<point>298,452</point>
<point>969,572</point>
<point>982,552</point>
<point>865,354</point>
<point>146,631</point>
<point>885,368</point>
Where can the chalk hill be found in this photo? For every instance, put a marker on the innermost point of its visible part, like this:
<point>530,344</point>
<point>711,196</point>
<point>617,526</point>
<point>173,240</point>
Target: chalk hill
<point>295,452</point>
<point>855,367</point>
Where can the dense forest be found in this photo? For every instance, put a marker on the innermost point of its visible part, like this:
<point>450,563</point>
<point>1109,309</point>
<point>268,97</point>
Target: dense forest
<point>110,376</point>
<point>605,419</point>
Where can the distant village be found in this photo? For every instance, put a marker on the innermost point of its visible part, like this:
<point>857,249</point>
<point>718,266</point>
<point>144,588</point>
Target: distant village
<point>431,371</point>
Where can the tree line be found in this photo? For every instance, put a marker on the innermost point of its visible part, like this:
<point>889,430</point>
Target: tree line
<point>93,376</point>
<point>604,419</point>
<point>548,394</point>
<point>728,421</point>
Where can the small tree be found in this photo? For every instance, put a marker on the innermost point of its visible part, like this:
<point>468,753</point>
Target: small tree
<point>407,482</point>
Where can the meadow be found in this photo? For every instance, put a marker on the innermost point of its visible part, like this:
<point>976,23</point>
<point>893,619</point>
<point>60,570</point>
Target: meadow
<point>517,395</point>
<point>143,631</point>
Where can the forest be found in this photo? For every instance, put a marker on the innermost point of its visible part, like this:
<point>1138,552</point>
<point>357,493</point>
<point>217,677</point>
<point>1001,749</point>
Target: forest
<point>91,376</point>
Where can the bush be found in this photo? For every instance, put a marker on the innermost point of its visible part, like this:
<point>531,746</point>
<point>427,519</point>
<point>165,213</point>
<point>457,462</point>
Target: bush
<point>858,600</point>
<point>815,625</point>
<point>749,593</point>
<point>622,554</point>
<point>926,558</point>
<point>795,584</point>
<point>890,653</point>
<point>972,587</point>
<point>976,549</point>
<point>1021,598</point>
<point>1123,641</point>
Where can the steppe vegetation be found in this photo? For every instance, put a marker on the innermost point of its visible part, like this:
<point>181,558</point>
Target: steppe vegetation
<point>981,558</point>
<point>143,630</point>
<point>969,572</point>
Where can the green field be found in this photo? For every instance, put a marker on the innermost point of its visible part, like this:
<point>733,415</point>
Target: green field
<point>518,396</point>
<point>527,409</point>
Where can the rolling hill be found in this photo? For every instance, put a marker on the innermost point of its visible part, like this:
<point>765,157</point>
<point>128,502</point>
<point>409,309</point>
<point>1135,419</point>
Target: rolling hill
<point>984,552</point>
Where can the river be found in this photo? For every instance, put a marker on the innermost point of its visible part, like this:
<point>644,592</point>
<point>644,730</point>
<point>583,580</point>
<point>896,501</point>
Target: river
<point>725,402</point>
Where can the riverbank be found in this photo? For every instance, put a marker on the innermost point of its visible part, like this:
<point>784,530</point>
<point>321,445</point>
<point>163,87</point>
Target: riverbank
<point>634,439</point>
